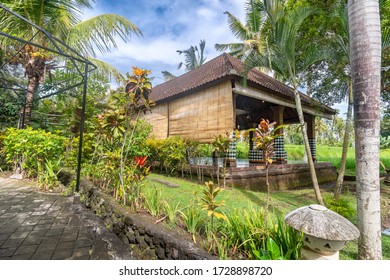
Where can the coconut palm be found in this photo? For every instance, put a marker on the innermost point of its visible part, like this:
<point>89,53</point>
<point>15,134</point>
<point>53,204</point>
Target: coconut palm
<point>284,58</point>
<point>248,34</point>
<point>365,56</point>
<point>193,58</point>
<point>340,58</point>
<point>62,19</point>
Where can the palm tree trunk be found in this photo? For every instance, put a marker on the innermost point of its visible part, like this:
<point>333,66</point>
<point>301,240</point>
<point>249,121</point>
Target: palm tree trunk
<point>348,127</point>
<point>365,56</point>
<point>307,147</point>
<point>25,113</point>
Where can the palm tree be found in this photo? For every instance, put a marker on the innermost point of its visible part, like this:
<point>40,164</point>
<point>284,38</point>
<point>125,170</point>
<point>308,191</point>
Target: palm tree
<point>283,57</point>
<point>193,58</point>
<point>62,19</point>
<point>342,41</point>
<point>248,34</point>
<point>365,56</point>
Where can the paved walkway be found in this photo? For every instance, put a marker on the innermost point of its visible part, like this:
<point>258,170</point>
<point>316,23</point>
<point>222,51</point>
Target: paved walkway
<point>35,225</point>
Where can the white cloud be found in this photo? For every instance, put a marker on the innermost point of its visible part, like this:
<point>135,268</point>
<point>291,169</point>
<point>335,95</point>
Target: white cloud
<point>169,26</point>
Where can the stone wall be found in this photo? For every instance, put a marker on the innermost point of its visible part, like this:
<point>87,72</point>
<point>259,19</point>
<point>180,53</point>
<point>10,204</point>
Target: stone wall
<point>144,239</point>
<point>281,176</point>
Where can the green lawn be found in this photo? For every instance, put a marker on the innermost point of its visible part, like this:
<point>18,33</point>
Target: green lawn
<point>333,155</point>
<point>282,202</point>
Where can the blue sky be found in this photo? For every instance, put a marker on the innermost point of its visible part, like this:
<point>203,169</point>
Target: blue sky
<point>167,26</point>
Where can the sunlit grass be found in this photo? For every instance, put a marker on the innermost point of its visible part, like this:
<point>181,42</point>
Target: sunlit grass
<point>333,155</point>
<point>282,202</point>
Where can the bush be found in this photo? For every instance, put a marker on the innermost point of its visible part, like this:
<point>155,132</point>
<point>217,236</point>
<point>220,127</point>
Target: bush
<point>242,149</point>
<point>31,149</point>
<point>3,162</point>
<point>170,153</point>
<point>342,206</point>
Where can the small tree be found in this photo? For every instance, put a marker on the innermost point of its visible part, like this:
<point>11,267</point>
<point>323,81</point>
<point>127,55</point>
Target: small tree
<point>209,202</point>
<point>120,128</point>
<point>264,137</point>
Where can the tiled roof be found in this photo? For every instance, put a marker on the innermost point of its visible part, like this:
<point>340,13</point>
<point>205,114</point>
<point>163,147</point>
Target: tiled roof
<point>220,67</point>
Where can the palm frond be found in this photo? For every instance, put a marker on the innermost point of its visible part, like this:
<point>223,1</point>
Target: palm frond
<point>106,71</point>
<point>254,15</point>
<point>193,57</point>
<point>239,30</point>
<point>299,14</point>
<point>385,38</point>
<point>167,76</point>
<point>101,32</point>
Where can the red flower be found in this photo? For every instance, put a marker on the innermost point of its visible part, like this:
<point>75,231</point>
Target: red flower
<point>140,160</point>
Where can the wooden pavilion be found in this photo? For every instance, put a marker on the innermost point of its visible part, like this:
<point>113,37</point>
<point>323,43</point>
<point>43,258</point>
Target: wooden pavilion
<point>212,100</point>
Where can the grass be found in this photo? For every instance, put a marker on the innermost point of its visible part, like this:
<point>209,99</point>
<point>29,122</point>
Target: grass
<point>333,155</point>
<point>282,202</point>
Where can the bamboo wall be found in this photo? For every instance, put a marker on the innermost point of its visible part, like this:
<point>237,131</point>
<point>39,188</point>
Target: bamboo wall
<point>159,120</point>
<point>201,115</point>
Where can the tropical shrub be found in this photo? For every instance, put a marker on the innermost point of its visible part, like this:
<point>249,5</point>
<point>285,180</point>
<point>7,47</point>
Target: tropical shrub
<point>118,154</point>
<point>152,201</point>
<point>170,153</point>
<point>341,206</point>
<point>289,240</point>
<point>173,154</point>
<point>242,149</point>
<point>30,150</point>
<point>205,150</point>
<point>385,142</point>
<point>192,219</point>
<point>210,204</point>
<point>4,165</point>
<point>245,230</point>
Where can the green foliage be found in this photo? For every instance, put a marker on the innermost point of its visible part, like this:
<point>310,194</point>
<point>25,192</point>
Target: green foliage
<point>270,250</point>
<point>29,149</point>
<point>194,56</point>
<point>385,142</point>
<point>171,211</point>
<point>221,143</point>
<point>209,202</point>
<point>47,174</point>
<point>265,134</point>
<point>192,220</point>
<point>3,162</point>
<point>242,149</point>
<point>10,104</point>
<point>342,206</point>
<point>170,153</point>
<point>173,153</point>
<point>333,155</point>
<point>245,229</point>
<point>153,202</point>
<point>117,155</point>
<point>220,146</point>
<point>288,239</point>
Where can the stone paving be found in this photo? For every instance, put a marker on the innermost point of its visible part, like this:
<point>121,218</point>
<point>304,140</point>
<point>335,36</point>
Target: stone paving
<point>42,226</point>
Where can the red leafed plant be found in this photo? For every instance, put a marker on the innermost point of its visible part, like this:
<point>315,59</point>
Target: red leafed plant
<point>140,160</point>
<point>265,134</point>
